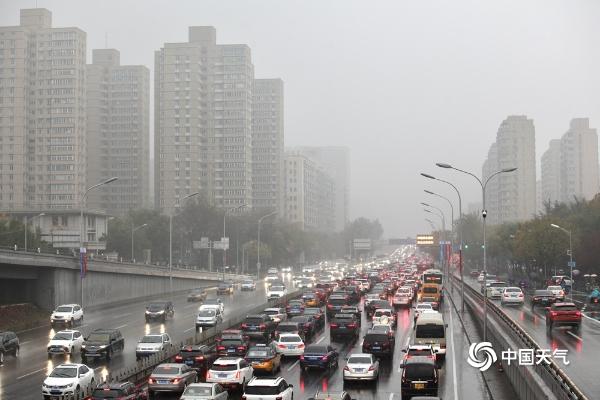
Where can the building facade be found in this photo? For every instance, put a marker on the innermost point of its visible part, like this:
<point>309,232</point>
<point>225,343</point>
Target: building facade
<point>43,114</point>
<point>550,165</point>
<point>267,145</point>
<point>118,134</point>
<point>203,121</point>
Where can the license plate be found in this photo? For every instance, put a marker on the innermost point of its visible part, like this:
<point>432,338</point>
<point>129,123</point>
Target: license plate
<point>376,348</point>
<point>222,375</point>
<point>55,397</point>
<point>514,295</point>
<point>163,382</point>
<point>419,386</point>
<point>291,347</point>
<point>342,327</point>
<point>189,362</point>
<point>359,370</point>
<point>253,328</point>
<point>231,350</point>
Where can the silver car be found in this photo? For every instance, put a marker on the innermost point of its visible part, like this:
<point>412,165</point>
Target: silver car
<point>361,367</point>
<point>171,378</point>
<point>204,391</point>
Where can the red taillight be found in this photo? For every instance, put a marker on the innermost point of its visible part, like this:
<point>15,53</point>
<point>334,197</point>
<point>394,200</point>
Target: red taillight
<point>346,368</point>
<point>262,327</point>
<point>301,346</point>
<point>175,380</point>
<point>536,298</point>
<point>520,294</point>
<point>244,326</point>
<point>302,357</point>
<point>151,381</point>
<point>324,358</point>
<point>199,358</point>
<point>372,368</point>
<point>281,346</point>
<point>553,313</point>
<point>332,325</point>
<point>278,398</point>
<point>578,313</point>
<point>329,306</point>
<point>241,348</point>
<point>220,348</point>
<point>307,325</point>
<point>178,358</point>
<point>352,325</point>
<point>208,375</point>
<point>237,375</point>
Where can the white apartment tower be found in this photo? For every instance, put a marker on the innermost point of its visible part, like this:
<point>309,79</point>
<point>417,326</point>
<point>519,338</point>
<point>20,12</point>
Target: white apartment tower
<point>42,114</point>
<point>550,165</point>
<point>203,121</point>
<point>267,145</point>
<point>118,132</point>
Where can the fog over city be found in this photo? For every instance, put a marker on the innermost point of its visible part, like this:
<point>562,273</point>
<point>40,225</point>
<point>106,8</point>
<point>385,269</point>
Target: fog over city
<point>402,84</point>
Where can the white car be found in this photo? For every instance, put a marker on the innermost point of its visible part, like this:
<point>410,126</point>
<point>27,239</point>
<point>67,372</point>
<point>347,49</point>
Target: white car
<point>271,277</point>
<point>361,367</point>
<point>370,297</point>
<point>67,314</point>
<point>384,316</point>
<point>276,292</point>
<point>65,342</point>
<point>512,295</point>
<point>202,391</point>
<point>276,314</point>
<point>495,289</point>
<point>152,344</point>
<point>268,388</point>
<point>248,284</point>
<point>289,344</point>
<point>557,292</point>
<point>230,371</point>
<point>286,269</point>
<point>422,307</point>
<point>208,317</point>
<point>68,380</point>
<point>213,304</point>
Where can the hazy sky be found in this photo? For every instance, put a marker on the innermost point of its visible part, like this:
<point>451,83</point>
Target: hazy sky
<point>403,84</point>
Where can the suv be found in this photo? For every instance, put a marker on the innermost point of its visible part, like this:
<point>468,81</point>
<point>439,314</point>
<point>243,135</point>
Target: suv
<point>344,325</point>
<point>259,326</point>
<point>9,344</point>
<point>268,388</point>
<point>159,310</point>
<point>378,343</point>
<point>123,390</point>
<point>152,344</point>
<point>419,377</point>
<point>102,343</point>
<point>198,357</point>
<point>225,288</point>
<point>230,372</point>
<point>335,304</point>
<point>232,342</point>
<point>563,314</point>
<point>67,314</point>
<point>374,305</point>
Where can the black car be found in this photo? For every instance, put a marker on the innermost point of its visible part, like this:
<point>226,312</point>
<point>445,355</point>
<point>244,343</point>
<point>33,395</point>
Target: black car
<point>344,325</point>
<point>259,326</point>
<point>290,327</point>
<point>307,325</point>
<point>379,344</point>
<point>120,390</point>
<point>353,293</point>
<point>225,288</point>
<point>9,344</point>
<point>317,314</point>
<point>335,303</point>
<point>232,342</point>
<point>198,357</point>
<point>294,308</point>
<point>159,311</point>
<point>542,298</point>
<point>419,377</point>
<point>319,356</point>
<point>102,343</point>
<point>376,304</point>
<point>352,310</point>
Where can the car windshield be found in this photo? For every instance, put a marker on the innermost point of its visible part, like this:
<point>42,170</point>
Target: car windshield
<point>381,328</point>
<point>254,320</point>
<point>554,288</point>
<point>262,390</point>
<point>165,370</point>
<point>277,288</point>
<point>543,293</point>
<point>316,350</point>
<point>382,313</point>
<point>430,290</point>
<point>98,337</point>
<point>359,360</point>
<point>337,301</point>
<point>258,353</point>
<point>151,339</point>
<point>231,342</point>
<point>64,309</point>
<point>224,367</point>
<point>206,313</point>
<point>419,371</point>
<point>198,391</point>
<point>211,301</point>
<point>63,336</point>
<point>424,307</point>
<point>419,352</point>
<point>290,339</point>
<point>248,282</point>
<point>271,312</point>
<point>287,328</point>
<point>512,290</point>
<point>565,307</point>
<point>375,337</point>
<point>156,307</point>
<point>63,372</point>
<point>107,394</point>
<point>430,331</point>
<point>310,311</point>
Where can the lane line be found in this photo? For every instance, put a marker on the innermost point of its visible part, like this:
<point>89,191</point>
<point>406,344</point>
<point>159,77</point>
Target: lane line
<point>320,340</point>
<point>391,396</point>
<point>122,316</point>
<point>120,327</point>
<point>22,343</point>
<point>574,335</point>
<point>454,379</point>
<point>31,373</point>
<point>293,365</point>
<point>591,319</point>
<point>191,329</point>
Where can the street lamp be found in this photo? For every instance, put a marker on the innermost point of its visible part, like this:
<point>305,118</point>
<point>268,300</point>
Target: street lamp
<point>224,249</point>
<point>171,242</point>
<point>431,223</point>
<point>82,222</point>
<point>132,232</point>
<point>443,219</point>
<point>451,225</point>
<point>460,239</point>
<point>483,185</point>
<point>27,224</point>
<point>568,232</point>
<point>260,220</point>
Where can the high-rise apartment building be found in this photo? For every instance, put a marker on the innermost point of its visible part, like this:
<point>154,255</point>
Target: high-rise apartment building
<point>336,161</point>
<point>203,121</point>
<point>309,194</point>
<point>43,114</point>
<point>267,145</point>
<point>118,135</point>
<point>550,165</point>
<point>511,196</point>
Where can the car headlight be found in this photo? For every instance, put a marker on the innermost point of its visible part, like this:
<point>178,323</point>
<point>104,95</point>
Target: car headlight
<point>147,312</point>
<point>44,385</point>
<point>83,346</point>
<point>161,312</point>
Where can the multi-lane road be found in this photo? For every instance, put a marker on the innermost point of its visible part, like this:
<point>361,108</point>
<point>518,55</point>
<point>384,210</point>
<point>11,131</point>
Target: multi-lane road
<point>22,378</point>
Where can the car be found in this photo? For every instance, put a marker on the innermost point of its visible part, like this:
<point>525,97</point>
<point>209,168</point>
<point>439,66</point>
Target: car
<point>248,284</point>
<point>198,357</point>
<point>208,317</point>
<point>311,300</point>
<point>431,300</point>
<point>224,288</point>
<point>117,390</point>
<point>322,356</point>
<point>403,297</point>
<point>343,395</point>
<point>204,391</point>
<point>65,342</point>
<point>307,323</point>
<point>289,344</point>
<point>289,327</point>
<point>563,314</point>
<point>344,325</point>
<point>474,273</point>
<point>264,358</point>
<point>383,328</point>
<point>68,380</point>
<point>67,314</point>
<point>268,388</point>
<point>352,310</point>
<point>102,343</point>
<point>159,311</point>
<point>419,377</point>
<point>152,344</point>
<point>543,298</point>
<point>271,277</point>
<point>9,344</point>
<point>384,316</point>
<point>232,342</point>
<point>276,292</point>
<point>558,292</point>
<point>258,326</point>
<point>317,314</point>
<point>378,343</point>
<point>230,372</point>
<point>369,297</point>
<point>212,304</point>
<point>494,289</point>
<point>512,295</point>
<point>420,350</point>
<point>277,314</point>
<point>361,367</point>
<point>273,271</point>
<point>422,307</point>
<point>336,302</point>
<point>286,269</point>
<point>197,295</point>
<point>170,378</point>
<point>294,308</point>
<point>305,283</point>
<point>374,305</point>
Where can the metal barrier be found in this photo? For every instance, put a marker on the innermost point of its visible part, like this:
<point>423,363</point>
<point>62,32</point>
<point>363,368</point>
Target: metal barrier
<point>556,380</point>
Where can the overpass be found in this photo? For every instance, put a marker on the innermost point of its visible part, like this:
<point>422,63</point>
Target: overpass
<point>48,280</point>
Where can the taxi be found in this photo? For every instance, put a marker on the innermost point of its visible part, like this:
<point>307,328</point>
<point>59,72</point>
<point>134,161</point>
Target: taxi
<point>264,358</point>
<point>310,300</point>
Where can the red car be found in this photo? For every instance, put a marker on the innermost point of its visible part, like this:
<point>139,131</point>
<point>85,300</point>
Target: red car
<point>563,314</point>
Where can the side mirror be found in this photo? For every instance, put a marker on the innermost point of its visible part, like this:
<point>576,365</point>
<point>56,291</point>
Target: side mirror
<point>290,385</point>
<point>404,350</point>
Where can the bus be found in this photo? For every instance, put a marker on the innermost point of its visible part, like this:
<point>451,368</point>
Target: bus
<point>432,276</point>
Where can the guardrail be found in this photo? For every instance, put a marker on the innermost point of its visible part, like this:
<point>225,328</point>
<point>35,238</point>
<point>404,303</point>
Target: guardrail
<point>140,372</point>
<point>551,374</point>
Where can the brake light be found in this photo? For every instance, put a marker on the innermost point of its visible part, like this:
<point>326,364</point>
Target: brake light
<point>278,398</point>
<point>178,358</point>
<point>199,358</point>
<point>329,306</point>
<point>281,346</point>
<point>208,375</point>
<point>175,380</point>
<point>553,313</point>
<point>324,358</point>
<point>333,325</point>
<point>302,357</point>
<point>151,381</point>
<point>301,346</point>
<point>372,368</point>
<point>244,326</point>
<point>352,325</point>
<point>520,294</point>
<point>262,326</point>
<point>241,348</point>
<point>307,325</point>
<point>220,347</point>
<point>578,313</point>
<point>346,368</point>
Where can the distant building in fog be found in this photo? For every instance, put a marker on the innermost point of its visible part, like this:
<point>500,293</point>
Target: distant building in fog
<point>550,165</point>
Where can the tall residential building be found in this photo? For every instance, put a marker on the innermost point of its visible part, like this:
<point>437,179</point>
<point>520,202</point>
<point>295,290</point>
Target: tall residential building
<point>550,165</point>
<point>203,121</point>
<point>336,160</point>
<point>511,197</point>
<point>579,161</point>
<point>309,194</point>
<point>42,114</point>
<point>267,145</point>
<point>118,134</point>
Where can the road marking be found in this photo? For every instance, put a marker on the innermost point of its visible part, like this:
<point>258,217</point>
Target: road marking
<point>187,330</point>
<point>122,316</point>
<point>22,343</point>
<point>320,340</point>
<point>31,373</point>
<point>591,319</point>
<point>120,327</point>
<point>574,335</point>
<point>293,365</point>
<point>391,396</point>
<point>407,342</point>
<point>454,379</point>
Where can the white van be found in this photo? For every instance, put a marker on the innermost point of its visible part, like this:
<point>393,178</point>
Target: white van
<point>431,330</point>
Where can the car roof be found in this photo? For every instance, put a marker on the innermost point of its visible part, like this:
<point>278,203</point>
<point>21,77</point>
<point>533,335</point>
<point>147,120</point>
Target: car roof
<point>289,335</point>
<point>113,385</point>
<point>430,318</point>
<point>419,360</point>
<point>265,381</point>
<point>67,305</point>
<point>104,330</point>
<point>228,360</point>
<point>70,365</point>
<point>360,355</point>
<point>65,331</point>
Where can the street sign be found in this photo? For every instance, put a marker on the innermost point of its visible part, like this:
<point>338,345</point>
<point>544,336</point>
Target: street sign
<point>362,244</point>
<point>203,243</point>
<point>571,264</point>
<point>221,245</point>
<point>425,240</point>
